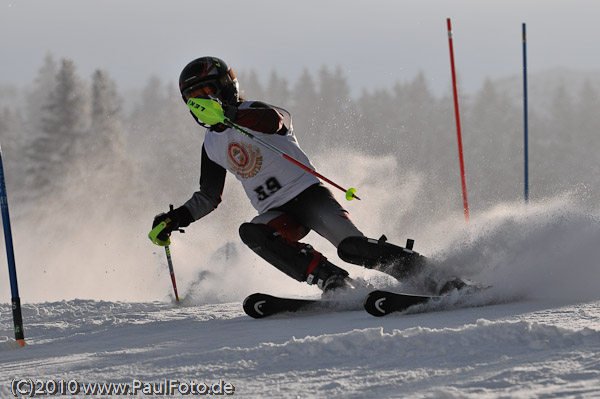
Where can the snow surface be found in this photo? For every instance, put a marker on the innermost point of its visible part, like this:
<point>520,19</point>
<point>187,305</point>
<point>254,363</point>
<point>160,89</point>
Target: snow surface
<point>525,349</point>
<point>539,339</point>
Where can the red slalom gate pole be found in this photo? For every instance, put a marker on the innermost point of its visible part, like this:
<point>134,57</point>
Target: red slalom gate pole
<point>458,132</point>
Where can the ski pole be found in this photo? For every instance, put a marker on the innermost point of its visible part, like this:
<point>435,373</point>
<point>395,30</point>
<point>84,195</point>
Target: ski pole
<point>170,262</point>
<point>153,235</point>
<point>210,112</point>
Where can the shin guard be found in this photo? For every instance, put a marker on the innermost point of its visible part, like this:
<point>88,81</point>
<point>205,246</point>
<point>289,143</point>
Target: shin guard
<point>299,261</point>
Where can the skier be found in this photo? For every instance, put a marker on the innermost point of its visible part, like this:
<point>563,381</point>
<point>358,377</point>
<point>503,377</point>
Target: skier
<point>290,201</point>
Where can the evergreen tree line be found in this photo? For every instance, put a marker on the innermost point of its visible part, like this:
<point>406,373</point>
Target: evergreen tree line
<point>79,136</point>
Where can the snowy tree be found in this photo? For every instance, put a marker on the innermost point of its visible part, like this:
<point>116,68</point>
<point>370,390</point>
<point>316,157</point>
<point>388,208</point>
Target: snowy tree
<point>163,141</point>
<point>149,108</point>
<point>334,93</point>
<point>64,125</point>
<point>145,136</point>
<point>106,104</point>
<point>10,130</point>
<point>418,101</point>
<point>562,110</point>
<point>64,118</point>
<point>278,92</point>
<point>412,103</point>
<point>250,87</point>
<point>304,94</point>
<point>376,126</point>
<point>587,115</point>
<point>304,98</point>
<point>587,140</point>
<point>106,129</point>
<point>334,108</point>
<point>11,139</point>
<point>492,127</point>
<point>39,97</point>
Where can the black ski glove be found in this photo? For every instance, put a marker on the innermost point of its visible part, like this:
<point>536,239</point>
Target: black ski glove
<point>175,218</point>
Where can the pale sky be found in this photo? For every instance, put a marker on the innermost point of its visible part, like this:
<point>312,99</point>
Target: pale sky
<point>376,42</point>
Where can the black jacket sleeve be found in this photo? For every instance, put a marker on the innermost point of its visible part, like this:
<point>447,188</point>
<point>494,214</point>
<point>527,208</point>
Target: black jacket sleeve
<point>212,181</point>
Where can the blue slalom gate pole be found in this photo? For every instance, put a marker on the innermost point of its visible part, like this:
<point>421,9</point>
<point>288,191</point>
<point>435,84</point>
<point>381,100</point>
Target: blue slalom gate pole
<point>10,255</point>
<point>526,133</point>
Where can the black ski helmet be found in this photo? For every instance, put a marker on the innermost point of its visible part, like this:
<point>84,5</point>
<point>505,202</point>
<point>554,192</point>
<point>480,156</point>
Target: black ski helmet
<point>209,76</point>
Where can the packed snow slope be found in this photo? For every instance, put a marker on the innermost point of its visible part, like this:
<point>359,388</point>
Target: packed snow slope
<point>526,349</point>
<point>537,336</point>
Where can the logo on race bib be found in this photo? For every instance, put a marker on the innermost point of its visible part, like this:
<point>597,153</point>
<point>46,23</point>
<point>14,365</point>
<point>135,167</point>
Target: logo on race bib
<point>244,159</point>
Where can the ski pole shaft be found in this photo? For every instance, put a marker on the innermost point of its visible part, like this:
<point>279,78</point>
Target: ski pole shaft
<point>317,174</point>
<point>170,263</point>
<point>171,271</point>
<point>350,194</point>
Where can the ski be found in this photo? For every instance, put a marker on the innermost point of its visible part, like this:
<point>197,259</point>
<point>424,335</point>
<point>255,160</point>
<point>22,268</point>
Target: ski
<point>377,303</point>
<point>260,305</point>
<point>380,303</point>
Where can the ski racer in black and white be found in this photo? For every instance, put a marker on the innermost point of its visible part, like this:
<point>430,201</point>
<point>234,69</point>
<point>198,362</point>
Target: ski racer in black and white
<point>290,202</point>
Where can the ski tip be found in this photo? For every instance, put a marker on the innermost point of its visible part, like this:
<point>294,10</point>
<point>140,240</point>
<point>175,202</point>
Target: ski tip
<point>259,305</point>
<point>374,303</point>
<point>380,303</point>
<point>253,306</point>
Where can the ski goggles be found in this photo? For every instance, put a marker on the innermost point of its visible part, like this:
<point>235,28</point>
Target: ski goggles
<point>209,88</point>
<point>200,90</point>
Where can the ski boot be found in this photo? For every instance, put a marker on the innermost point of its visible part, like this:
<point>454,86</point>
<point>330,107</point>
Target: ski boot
<point>396,261</point>
<point>332,280</point>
